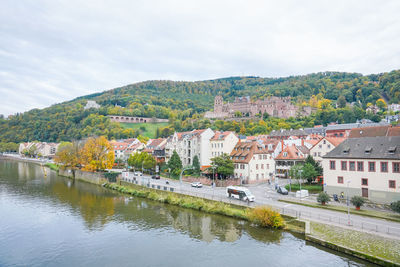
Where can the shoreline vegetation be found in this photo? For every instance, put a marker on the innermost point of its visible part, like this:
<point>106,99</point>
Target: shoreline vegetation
<point>263,216</point>
<point>289,223</point>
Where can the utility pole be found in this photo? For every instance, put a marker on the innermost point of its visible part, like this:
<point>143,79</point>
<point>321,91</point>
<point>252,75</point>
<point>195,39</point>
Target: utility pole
<point>348,204</point>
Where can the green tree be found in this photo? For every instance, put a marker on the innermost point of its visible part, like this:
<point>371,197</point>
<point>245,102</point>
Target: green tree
<point>309,172</point>
<point>223,165</point>
<point>196,165</point>
<point>395,206</point>
<point>295,172</point>
<point>341,102</point>
<point>175,164</point>
<point>316,164</point>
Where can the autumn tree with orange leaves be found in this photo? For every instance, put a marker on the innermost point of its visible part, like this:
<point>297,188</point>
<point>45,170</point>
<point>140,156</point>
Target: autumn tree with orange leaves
<point>97,154</point>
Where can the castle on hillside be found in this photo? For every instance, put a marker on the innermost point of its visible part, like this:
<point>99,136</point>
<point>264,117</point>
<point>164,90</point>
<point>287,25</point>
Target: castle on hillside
<point>280,107</point>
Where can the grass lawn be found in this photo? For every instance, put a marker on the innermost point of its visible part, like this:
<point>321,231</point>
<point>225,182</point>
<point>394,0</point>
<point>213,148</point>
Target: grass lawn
<point>312,188</point>
<point>363,242</point>
<point>368,213</point>
<point>149,128</point>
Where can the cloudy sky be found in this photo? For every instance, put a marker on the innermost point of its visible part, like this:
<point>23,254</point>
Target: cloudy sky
<point>52,51</point>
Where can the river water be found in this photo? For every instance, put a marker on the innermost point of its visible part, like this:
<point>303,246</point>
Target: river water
<point>53,221</point>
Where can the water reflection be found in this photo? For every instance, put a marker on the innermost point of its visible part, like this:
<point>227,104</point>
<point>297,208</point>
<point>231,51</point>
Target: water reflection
<point>51,220</point>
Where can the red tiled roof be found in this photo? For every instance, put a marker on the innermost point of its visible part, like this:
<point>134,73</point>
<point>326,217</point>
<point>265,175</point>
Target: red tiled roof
<point>292,152</point>
<point>369,131</point>
<point>220,135</point>
<point>335,140</point>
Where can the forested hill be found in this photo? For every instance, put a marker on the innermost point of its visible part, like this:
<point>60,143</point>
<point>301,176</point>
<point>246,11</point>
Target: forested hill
<point>182,100</point>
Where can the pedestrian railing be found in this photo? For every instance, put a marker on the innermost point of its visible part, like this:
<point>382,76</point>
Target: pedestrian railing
<point>357,224</point>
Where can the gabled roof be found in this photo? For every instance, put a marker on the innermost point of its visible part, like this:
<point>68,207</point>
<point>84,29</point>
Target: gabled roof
<point>247,150</point>
<point>220,135</point>
<point>335,140</point>
<point>291,153</point>
<point>379,147</point>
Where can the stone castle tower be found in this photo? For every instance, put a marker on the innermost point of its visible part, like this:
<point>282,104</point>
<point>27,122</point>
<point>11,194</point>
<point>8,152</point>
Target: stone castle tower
<point>218,104</point>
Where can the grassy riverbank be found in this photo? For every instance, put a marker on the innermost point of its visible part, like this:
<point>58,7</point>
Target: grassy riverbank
<point>365,244</point>
<point>52,166</point>
<point>262,216</point>
<point>363,212</point>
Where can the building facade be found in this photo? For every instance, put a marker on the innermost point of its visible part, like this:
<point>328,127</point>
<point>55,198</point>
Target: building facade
<point>253,163</point>
<point>323,146</point>
<point>280,107</point>
<point>368,167</point>
<point>223,143</point>
<point>190,144</point>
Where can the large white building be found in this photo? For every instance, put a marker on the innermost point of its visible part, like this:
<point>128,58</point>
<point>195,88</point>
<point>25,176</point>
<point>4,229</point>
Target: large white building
<point>39,149</point>
<point>223,143</point>
<point>253,162</point>
<point>368,167</point>
<point>190,144</point>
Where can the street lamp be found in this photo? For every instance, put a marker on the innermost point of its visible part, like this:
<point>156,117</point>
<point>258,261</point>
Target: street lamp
<point>180,176</point>
<point>348,204</point>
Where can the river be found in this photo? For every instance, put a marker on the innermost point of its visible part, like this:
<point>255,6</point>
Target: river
<point>54,221</point>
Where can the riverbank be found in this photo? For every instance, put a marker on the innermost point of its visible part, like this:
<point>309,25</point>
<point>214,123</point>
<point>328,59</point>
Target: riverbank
<point>354,243</point>
<point>266,218</point>
<point>292,224</point>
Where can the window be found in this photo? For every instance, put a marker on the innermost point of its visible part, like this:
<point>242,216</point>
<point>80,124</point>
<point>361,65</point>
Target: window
<point>392,184</point>
<point>371,166</point>
<point>262,166</point>
<point>257,176</point>
<point>319,154</point>
<point>256,166</point>
<point>324,142</point>
<point>259,156</point>
<point>396,166</point>
<point>360,166</point>
<point>315,154</point>
<point>352,166</point>
<point>384,167</point>
<point>364,181</point>
<point>332,164</point>
<point>344,165</point>
<point>320,146</point>
<point>329,146</point>
<point>340,179</point>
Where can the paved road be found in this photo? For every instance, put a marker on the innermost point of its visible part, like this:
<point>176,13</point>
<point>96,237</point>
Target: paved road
<point>266,195</point>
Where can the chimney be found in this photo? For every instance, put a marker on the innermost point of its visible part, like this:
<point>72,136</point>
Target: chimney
<point>302,142</point>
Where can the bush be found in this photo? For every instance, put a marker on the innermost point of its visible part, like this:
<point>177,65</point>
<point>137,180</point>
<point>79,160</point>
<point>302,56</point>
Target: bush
<point>323,198</point>
<point>266,217</point>
<point>395,206</point>
<point>357,201</point>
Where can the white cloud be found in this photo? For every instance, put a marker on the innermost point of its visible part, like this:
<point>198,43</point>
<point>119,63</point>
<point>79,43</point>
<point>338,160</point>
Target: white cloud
<point>51,51</point>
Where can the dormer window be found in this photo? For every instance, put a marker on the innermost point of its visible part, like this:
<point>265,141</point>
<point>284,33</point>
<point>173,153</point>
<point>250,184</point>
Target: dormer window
<point>368,150</point>
<point>285,154</point>
<point>346,150</point>
<point>392,149</point>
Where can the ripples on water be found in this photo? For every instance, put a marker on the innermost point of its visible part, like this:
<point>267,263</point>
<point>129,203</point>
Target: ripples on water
<point>53,221</point>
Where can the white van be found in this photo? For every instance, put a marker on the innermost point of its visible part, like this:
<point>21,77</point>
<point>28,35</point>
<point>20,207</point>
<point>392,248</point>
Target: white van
<point>241,193</point>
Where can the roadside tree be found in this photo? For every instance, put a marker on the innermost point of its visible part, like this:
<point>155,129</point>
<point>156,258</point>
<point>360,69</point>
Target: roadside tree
<point>97,154</point>
<point>223,165</point>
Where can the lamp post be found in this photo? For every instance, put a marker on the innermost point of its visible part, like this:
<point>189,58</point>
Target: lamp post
<point>348,204</point>
<point>213,185</point>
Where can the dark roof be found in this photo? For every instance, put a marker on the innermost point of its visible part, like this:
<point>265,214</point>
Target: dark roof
<point>288,133</point>
<point>368,148</point>
<point>369,131</point>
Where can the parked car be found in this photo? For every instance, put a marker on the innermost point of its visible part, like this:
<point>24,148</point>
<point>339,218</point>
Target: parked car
<point>155,177</point>
<point>282,190</point>
<point>196,184</point>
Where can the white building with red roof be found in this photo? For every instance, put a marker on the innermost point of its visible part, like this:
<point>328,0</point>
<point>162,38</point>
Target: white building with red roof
<point>253,162</point>
<point>324,146</point>
<point>223,143</point>
<point>291,155</point>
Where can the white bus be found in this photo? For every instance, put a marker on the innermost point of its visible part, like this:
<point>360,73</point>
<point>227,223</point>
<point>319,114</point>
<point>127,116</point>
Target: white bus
<point>241,193</point>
